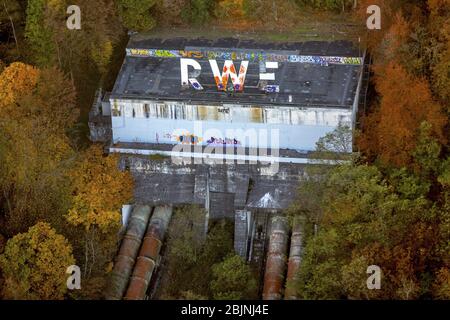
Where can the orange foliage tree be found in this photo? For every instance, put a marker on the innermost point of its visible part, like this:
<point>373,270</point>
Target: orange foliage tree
<point>391,131</point>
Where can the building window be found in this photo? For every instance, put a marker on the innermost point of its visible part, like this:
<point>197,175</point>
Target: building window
<point>116,111</point>
<point>147,110</point>
<point>167,111</point>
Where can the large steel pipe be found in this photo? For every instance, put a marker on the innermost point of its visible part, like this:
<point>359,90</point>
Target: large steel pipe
<point>128,252</point>
<point>149,253</point>
<point>295,259</point>
<point>276,259</point>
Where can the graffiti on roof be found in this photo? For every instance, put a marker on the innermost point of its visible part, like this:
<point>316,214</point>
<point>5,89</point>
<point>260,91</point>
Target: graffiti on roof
<point>252,56</point>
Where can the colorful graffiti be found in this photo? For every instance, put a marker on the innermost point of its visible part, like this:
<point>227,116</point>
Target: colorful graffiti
<point>243,55</point>
<point>185,138</point>
<point>325,60</point>
<point>272,88</point>
<point>222,142</point>
<point>229,71</point>
<point>195,84</point>
<point>191,139</point>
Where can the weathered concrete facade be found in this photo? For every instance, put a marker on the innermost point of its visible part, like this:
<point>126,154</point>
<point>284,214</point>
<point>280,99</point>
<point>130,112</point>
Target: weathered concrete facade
<point>176,122</point>
<point>286,96</point>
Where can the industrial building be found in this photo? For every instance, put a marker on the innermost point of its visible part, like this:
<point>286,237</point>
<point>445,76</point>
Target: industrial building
<point>233,100</point>
<point>229,94</point>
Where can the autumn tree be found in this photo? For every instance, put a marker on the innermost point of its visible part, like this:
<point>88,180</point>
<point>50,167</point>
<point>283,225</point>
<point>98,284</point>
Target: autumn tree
<point>93,44</point>
<point>229,9</point>
<point>357,215</point>
<point>34,264</point>
<point>99,189</point>
<point>16,80</point>
<point>425,51</point>
<point>410,76</point>
<point>340,140</point>
<point>41,178</point>
<point>364,218</point>
<point>30,94</point>
<point>184,241</point>
<point>84,54</point>
<point>441,286</point>
<point>36,109</point>
<point>391,132</point>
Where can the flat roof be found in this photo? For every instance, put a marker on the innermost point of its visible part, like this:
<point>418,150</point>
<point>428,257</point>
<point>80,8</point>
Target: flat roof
<point>303,78</point>
<point>177,185</point>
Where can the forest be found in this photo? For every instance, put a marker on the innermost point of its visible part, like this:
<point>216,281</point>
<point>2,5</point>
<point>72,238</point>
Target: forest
<point>60,195</point>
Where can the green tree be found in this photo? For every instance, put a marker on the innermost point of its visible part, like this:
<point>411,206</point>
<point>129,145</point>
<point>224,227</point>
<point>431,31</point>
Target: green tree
<point>93,45</point>
<point>198,12</point>
<point>335,5</point>
<point>233,279</point>
<point>39,36</point>
<point>364,218</point>
<point>136,14</point>
<point>336,145</point>
<point>192,253</point>
<point>34,264</point>
<point>340,140</point>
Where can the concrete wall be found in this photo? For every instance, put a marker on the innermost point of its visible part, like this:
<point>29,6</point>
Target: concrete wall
<point>274,127</point>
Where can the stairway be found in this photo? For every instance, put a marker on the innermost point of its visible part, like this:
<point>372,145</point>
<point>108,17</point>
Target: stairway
<point>259,241</point>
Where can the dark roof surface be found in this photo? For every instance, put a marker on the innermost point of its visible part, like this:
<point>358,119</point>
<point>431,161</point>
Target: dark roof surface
<point>301,84</point>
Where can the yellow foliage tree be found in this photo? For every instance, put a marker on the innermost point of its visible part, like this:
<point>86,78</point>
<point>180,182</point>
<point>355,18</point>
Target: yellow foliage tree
<point>34,264</point>
<point>36,109</point>
<point>16,80</point>
<point>45,97</point>
<point>102,54</point>
<point>99,191</point>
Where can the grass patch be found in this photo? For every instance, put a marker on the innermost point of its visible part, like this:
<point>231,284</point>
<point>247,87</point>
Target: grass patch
<point>157,157</point>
